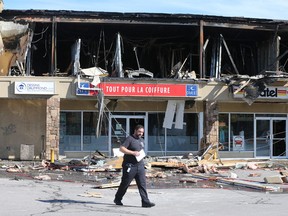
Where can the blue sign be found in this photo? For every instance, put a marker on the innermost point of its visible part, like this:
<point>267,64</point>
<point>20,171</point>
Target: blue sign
<point>81,91</point>
<point>191,90</point>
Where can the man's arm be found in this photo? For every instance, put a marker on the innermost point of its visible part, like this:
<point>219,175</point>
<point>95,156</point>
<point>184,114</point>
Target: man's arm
<point>129,152</point>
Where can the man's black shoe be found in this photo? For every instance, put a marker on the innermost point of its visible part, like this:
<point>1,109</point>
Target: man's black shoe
<point>148,205</point>
<point>118,202</point>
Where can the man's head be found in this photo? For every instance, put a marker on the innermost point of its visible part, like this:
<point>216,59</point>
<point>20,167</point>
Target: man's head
<point>139,131</point>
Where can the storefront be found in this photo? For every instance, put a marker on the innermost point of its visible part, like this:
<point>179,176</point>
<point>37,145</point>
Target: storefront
<point>132,104</point>
<point>185,78</point>
<point>261,135</point>
<point>258,130</point>
<point>77,132</point>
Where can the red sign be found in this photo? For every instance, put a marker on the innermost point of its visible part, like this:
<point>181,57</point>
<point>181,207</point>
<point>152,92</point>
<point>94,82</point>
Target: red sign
<point>149,90</point>
<point>238,141</point>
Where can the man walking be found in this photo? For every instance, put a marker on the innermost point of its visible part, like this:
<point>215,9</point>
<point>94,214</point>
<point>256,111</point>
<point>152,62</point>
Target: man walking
<point>133,167</point>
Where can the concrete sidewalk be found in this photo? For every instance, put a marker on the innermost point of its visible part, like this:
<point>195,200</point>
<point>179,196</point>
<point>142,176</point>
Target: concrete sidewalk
<point>30,197</point>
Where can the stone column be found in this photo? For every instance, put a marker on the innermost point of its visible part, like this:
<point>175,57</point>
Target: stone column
<point>211,126</point>
<point>52,127</point>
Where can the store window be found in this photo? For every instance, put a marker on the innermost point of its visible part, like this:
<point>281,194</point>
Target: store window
<point>156,133</point>
<point>185,139</point>
<point>173,140</point>
<point>90,141</point>
<point>236,132</point>
<point>78,132</point>
<point>70,131</point>
<point>242,132</point>
<point>224,131</point>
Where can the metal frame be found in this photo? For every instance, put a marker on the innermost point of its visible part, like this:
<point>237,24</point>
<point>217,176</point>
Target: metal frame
<point>127,117</point>
<point>271,119</point>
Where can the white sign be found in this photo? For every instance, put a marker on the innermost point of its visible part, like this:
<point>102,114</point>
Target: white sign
<point>270,92</point>
<point>238,143</point>
<point>35,88</point>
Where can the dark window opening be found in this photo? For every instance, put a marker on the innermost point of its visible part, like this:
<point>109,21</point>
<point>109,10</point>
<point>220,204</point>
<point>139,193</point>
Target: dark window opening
<point>159,49</point>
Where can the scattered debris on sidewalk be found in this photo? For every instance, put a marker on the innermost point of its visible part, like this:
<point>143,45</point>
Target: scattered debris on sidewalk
<point>91,194</point>
<point>254,174</point>
<point>14,169</point>
<point>174,171</point>
<point>43,177</point>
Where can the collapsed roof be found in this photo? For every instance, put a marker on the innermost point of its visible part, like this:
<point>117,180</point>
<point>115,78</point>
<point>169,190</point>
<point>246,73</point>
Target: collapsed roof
<point>178,46</point>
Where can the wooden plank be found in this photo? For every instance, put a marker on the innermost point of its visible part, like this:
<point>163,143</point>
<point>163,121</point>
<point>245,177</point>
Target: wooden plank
<point>113,184</point>
<point>167,164</point>
<point>91,194</point>
<point>189,180</point>
<point>253,185</point>
<point>237,182</point>
<point>115,163</point>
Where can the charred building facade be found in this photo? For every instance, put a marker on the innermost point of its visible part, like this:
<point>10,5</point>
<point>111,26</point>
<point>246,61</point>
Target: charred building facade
<point>78,82</point>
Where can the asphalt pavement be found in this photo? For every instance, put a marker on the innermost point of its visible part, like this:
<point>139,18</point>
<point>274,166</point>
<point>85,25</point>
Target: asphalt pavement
<point>35,198</point>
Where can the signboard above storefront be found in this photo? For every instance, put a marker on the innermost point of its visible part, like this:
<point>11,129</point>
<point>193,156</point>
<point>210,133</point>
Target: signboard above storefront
<point>270,92</point>
<point>140,90</point>
<point>35,88</point>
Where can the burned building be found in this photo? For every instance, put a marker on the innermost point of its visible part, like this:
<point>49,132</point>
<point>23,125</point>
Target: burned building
<point>78,82</point>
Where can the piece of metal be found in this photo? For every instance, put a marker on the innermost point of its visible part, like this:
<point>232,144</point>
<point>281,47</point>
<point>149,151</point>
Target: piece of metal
<point>117,61</point>
<point>76,57</point>
<point>201,42</point>
<point>218,58</point>
<point>137,73</point>
<point>53,48</point>
<point>27,57</point>
<point>213,60</point>
<point>204,57</point>
<point>229,54</point>
<point>136,56</point>
<point>100,103</point>
<point>179,71</point>
<point>179,118</point>
<point>169,114</point>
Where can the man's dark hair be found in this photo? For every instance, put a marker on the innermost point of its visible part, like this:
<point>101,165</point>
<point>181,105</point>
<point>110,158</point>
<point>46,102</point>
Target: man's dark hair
<point>139,127</point>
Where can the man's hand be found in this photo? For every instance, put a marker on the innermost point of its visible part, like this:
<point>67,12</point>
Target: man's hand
<point>136,153</point>
<point>127,151</point>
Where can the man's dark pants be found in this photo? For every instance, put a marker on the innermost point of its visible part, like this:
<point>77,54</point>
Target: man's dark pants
<point>137,172</point>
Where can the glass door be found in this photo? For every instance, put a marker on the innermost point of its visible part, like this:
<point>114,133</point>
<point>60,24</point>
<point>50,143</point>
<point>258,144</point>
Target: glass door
<point>270,137</point>
<point>278,138</point>
<point>118,133</point>
<point>121,127</point>
<point>263,141</point>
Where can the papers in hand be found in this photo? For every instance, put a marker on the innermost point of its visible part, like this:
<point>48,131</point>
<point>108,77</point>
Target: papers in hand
<point>141,155</point>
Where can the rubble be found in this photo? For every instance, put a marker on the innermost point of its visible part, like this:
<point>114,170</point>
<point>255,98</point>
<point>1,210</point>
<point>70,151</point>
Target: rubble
<point>177,171</point>
<point>273,179</point>
<point>91,194</point>
<point>43,177</point>
<point>254,174</point>
<point>15,38</point>
<point>14,169</point>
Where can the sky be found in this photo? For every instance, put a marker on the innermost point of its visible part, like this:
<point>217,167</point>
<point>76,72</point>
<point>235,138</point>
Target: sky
<point>270,9</point>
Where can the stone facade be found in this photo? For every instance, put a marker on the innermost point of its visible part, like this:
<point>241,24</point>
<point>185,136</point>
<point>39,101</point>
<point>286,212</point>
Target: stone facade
<point>211,129</point>
<point>52,127</point>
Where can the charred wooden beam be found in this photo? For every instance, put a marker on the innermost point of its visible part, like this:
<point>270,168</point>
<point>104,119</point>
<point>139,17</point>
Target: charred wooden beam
<point>143,18</point>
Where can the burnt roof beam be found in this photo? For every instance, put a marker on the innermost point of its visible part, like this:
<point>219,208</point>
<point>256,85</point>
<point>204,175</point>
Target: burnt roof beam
<point>247,25</point>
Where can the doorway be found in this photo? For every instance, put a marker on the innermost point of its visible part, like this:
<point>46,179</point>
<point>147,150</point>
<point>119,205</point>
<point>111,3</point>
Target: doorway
<point>270,137</point>
<point>121,126</point>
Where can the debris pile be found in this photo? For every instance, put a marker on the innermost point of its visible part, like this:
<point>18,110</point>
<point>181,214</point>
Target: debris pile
<point>105,172</point>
